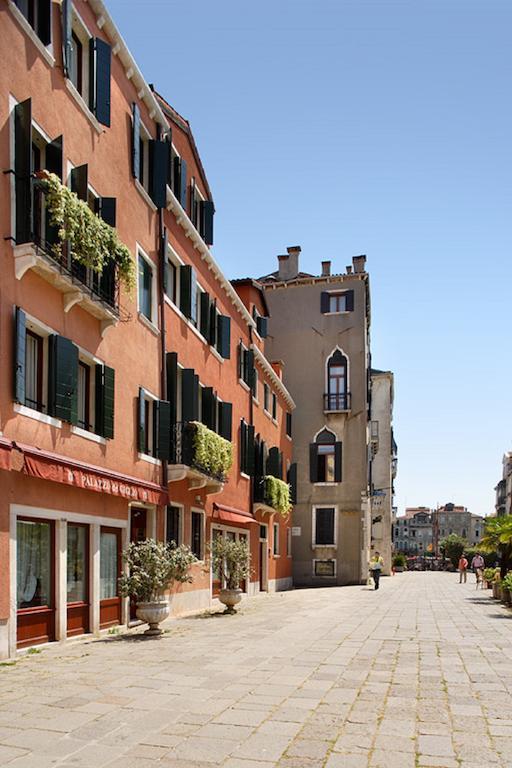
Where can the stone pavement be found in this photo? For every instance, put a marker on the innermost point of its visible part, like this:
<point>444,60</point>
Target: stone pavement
<point>417,674</point>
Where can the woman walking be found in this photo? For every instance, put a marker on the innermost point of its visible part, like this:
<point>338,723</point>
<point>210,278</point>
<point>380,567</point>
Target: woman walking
<point>376,566</point>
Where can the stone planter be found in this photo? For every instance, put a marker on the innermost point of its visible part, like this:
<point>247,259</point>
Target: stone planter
<point>153,614</point>
<point>230,598</point>
<point>496,590</point>
<point>399,568</point>
<point>506,596</point>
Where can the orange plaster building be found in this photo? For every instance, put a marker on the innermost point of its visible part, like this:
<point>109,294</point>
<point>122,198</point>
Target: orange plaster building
<point>103,389</point>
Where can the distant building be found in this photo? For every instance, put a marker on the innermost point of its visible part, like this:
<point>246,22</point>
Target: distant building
<point>421,529</point>
<point>504,488</point>
<point>451,518</point>
<point>413,531</point>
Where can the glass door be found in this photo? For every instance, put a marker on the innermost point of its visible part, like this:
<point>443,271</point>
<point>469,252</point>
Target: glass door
<point>78,606</point>
<point>35,588</point>
<point>110,571</point>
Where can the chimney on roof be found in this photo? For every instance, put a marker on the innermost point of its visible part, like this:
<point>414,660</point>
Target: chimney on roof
<point>359,262</point>
<point>326,268</point>
<point>277,365</point>
<point>349,269</point>
<point>289,263</point>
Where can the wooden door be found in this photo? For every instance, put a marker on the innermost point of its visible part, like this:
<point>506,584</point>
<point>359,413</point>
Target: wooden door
<point>138,528</point>
<point>35,581</point>
<point>110,571</point>
<point>78,605</point>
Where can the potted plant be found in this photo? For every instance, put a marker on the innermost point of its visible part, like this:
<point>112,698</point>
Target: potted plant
<point>152,568</point>
<point>489,574</point>
<point>399,563</point>
<point>232,561</point>
<point>506,589</point>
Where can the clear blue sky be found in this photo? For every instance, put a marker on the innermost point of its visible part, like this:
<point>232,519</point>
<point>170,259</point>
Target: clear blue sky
<point>377,127</point>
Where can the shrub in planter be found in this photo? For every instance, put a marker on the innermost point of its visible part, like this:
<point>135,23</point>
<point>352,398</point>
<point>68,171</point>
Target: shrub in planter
<point>232,561</point>
<point>277,495</point>
<point>506,589</point>
<point>92,241</point>
<point>153,568</point>
<point>489,574</point>
<point>211,451</point>
<point>399,562</point>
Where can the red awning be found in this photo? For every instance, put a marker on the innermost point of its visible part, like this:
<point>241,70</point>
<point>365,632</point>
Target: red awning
<point>5,454</point>
<point>232,515</point>
<point>59,469</point>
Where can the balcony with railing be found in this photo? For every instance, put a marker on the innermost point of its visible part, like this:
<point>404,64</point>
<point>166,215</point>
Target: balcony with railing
<point>97,292</point>
<point>201,455</point>
<point>337,402</point>
<point>271,494</point>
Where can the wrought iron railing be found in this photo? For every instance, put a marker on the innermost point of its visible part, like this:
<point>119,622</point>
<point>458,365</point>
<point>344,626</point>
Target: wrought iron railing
<point>102,287</point>
<point>337,401</point>
<point>184,451</point>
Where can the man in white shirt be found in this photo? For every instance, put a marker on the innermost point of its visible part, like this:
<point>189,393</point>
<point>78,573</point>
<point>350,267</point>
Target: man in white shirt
<point>477,564</point>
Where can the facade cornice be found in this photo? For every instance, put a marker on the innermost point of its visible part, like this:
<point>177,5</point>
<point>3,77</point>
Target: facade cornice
<point>336,279</point>
<point>274,378</point>
<point>199,245</point>
<point>133,73</point>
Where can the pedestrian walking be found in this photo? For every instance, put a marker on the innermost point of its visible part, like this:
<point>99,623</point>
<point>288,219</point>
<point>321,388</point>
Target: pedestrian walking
<point>477,565</point>
<point>463,569</point>
<point>376,566</point>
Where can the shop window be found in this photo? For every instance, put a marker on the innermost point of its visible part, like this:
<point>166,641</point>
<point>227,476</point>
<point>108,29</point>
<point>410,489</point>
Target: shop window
<point>108,565</point>
<point>77,563</point>
<point>33,564</point>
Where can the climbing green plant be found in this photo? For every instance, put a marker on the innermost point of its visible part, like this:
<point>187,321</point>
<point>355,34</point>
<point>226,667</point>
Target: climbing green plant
<point>277,495</point>
<point>211,451</point>
<point>92,241</point>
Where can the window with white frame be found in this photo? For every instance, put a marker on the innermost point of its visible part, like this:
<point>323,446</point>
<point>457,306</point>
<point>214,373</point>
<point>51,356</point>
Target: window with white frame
<point>78,67</point>
<point>174,524</point>
<point>197,534</point>
<point>172,277</point>
<point>275,528</point>
<point>35,380</point>
<point>147,445</point>
<point>274,406</point>
<point>324,526</point>
<point>38,14</point>
<point>255,384</point>
<point>144,137</point>
<point>266,397</point>
<point>146,274</point>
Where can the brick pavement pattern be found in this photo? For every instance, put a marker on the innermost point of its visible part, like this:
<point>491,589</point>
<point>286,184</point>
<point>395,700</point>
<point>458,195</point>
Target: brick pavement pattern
<point>416,675</point>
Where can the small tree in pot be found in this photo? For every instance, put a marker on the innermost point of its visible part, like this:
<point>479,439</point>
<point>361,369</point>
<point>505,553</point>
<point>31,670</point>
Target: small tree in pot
<point>232,561</point>
<point>152,568</point>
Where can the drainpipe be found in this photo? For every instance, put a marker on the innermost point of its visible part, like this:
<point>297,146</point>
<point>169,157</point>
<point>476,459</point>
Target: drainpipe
<point>161,279</point>
<point>251,422</point>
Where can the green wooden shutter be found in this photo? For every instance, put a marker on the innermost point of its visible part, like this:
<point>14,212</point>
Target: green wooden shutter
<point>249,367</point>
<point>292,482</point>
<point>337,462</point>
<point>189,395</point>
<point>207,406</point>
<point>324,302</point>
<point>171,362</point>
<point>104,401</point>
<point>213,323</point>
<point>135,141</point>
<point>44,27</point>
<point>225,420</point>
<point>79,181</point>
<point>207,211</point>
<point>187,279</point>
<point>262,326</point>
<point>183,184</point>
<point>273,462</point>
<point>141,422</point>
<point>158,164</point>
<point>105,208</point>
<point>99,84</point>
<point>23,170</point>
<point>63,379</point>
<point>20,340</point>
<point>289,424</point>
<point>313,463</point>
<point>163,436</point>
<point>54,156</point>
<point>205,315</point>
<point>224,336</point>
<point>349,301</point>
<point>249,454</point>
<point>243,445</point>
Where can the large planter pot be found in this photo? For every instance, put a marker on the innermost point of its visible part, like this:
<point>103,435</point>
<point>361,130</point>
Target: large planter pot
<point>506,597</point>
<point>230,598</point>
<point>496,590</point>
<point>399,568</point>
<point>153,614</point>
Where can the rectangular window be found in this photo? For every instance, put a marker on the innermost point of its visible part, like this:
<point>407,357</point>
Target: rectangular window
<point>173,525</point>
<point>171,284</point>
<point>337,302</point>
<point>34,371</point>
<point>108,565</point>
<point>275,528</point>
<point>274,405</point>
<point>266,398</point>
<point>147,425</point>
<point>196,536</point>
<point>326,464</point>
<point>145,288</point>
<point>324,526</point>
<point>84,395</point>
<point>289,424</point>
<point>76,63</point>
<point>38,15</point>
<point>77,563</point>
<point>33,564</point>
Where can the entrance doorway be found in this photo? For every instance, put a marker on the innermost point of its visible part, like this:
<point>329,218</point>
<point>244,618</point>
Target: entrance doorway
<point>35,581</point>
<point>78,606</point>
<point>263,562</point>
<point>138,528</point>
<point>110,571</point>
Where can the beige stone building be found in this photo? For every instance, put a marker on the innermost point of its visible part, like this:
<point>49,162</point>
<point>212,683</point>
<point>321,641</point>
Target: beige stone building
<point>383,465</point>
<point>319,326</point>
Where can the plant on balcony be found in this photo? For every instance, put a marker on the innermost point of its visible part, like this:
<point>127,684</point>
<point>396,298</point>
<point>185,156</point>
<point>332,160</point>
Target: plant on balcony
<point>212,452</point>
<point>92,241</point>
<point>277,495</point>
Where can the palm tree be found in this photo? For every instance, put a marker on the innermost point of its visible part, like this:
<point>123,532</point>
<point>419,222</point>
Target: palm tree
<point>498,538</point>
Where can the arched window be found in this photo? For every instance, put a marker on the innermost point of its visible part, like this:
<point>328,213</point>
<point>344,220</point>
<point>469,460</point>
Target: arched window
<point>325,458</point>
<point>336,398</point>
